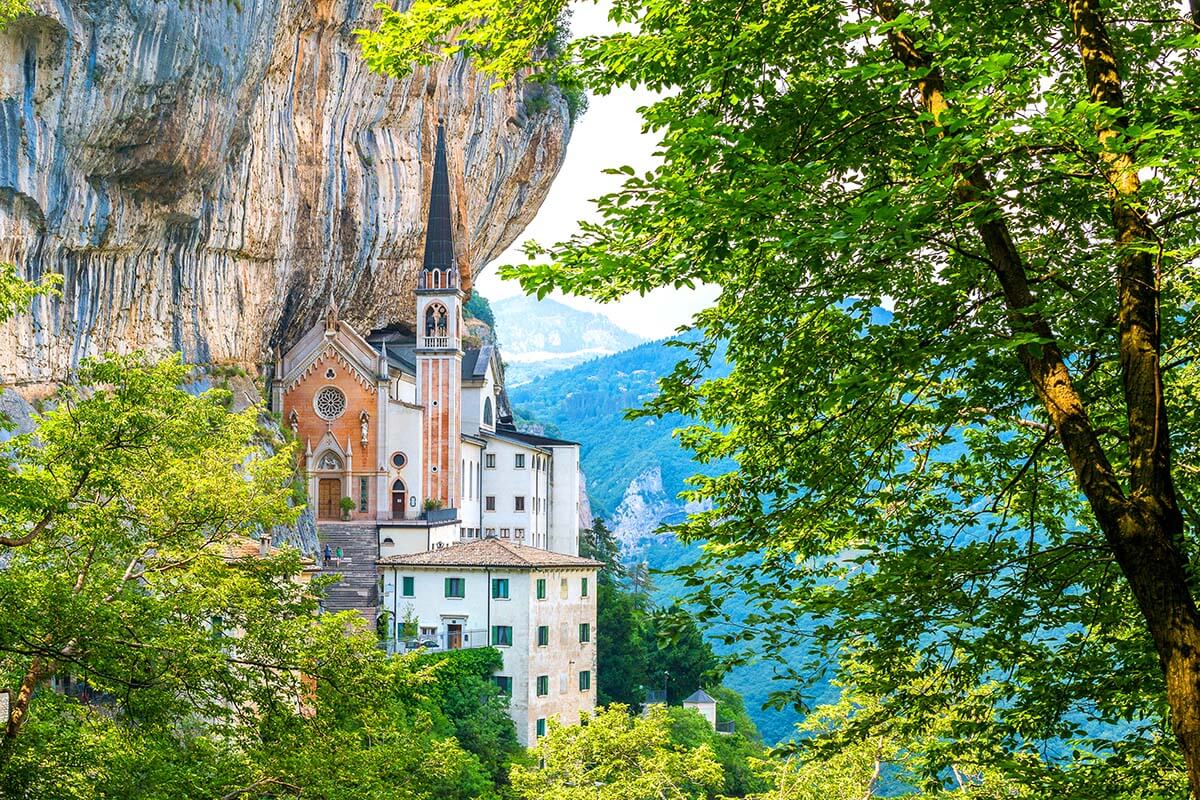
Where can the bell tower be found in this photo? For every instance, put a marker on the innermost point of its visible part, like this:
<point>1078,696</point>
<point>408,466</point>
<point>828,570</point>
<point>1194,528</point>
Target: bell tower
<point>439,343</point>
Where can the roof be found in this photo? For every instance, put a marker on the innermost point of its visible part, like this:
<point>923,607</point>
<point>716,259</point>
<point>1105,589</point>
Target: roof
<point>400,343</point>
<point>489,553</point>
<point>475,362</point>
<point>509,431</point>
<point>439,246</point>
<point>700,696</point>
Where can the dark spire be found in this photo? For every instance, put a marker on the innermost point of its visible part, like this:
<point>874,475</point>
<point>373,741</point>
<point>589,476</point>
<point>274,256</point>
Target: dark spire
<point>439,246</point>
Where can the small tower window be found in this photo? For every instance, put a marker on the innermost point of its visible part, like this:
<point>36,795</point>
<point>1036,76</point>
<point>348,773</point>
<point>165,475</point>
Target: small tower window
<point>487,411</point>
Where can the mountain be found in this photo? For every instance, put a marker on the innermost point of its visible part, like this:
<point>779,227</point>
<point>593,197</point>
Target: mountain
<point>538,337</point>
<point>208,176</point>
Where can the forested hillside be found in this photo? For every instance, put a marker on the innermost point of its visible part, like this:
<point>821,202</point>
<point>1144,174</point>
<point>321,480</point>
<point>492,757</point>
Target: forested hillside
<point>587,404</point>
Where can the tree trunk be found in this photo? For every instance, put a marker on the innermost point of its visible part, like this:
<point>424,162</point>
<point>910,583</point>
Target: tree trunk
<point>1144,529</point>
<point>1157,574</point>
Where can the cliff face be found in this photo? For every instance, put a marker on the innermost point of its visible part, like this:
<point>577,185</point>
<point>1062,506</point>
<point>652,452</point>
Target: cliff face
<point>208,174</point>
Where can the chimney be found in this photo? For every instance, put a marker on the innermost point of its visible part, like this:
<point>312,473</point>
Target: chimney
<point>264,544</point>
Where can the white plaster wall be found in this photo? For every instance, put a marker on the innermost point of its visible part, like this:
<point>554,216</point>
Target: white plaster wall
<point>506,482</point>
<point>564,657</point>
<point>470,505</point>
<point>564,500</point>
<point>404,435</point>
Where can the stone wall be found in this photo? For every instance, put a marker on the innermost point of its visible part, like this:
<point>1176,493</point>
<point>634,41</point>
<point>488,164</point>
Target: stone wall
<point>207,174</point>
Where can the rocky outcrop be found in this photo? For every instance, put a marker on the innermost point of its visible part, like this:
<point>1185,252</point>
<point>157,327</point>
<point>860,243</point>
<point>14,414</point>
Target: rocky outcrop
<point>208,174</point>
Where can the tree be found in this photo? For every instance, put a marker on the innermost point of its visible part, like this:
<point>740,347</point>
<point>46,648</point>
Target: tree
<point>993,479</point>
<point>121,509</point>
<point>601,545</point>
<point>738,754</point>
<point>619,756</point>
<point>678,654</point>
<point>621,646</point>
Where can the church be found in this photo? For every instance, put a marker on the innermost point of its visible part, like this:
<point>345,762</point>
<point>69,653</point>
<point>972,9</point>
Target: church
<point>447,522</point>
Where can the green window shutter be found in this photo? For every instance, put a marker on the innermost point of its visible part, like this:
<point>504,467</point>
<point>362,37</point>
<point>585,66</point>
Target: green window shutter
<point>543,685</point>
<point>585,680</point>
<point>541,589</point>
<point>406,586</point>
<point>583,588</point>
<point>543,635</point>
<point>500,588</point>
<point>541,726</point>
<point>585,632</point>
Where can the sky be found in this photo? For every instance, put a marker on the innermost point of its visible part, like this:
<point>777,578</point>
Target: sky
<point>609,134</point>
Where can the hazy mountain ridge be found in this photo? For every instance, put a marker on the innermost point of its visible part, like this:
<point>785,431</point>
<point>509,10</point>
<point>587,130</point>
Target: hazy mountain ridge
<point>538,337</point>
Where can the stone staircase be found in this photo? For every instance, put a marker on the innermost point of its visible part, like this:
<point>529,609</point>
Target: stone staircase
<point>358,590</point>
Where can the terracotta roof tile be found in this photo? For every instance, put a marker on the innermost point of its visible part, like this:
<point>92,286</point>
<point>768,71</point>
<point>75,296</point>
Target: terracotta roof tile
<point>489,553</point>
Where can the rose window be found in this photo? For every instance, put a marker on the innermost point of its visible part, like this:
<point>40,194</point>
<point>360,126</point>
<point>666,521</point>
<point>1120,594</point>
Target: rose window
<point>330,403</point>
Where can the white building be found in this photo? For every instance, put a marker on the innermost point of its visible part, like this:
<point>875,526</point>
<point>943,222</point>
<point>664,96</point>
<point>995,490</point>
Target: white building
<point>411,463</point>
<point>536,606</point>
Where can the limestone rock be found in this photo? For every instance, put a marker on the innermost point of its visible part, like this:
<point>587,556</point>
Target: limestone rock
<point>208,174</point>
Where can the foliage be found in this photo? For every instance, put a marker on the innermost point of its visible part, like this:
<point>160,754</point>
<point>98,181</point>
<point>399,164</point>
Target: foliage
<point>187,663</point>
<point>738,753</point>
<point>587,404</point>
<point>621,655</point>
<point>478,307</point>
<point>620,756</point>
<point>978,494</point>
<point>473,707</point>
<point>678,653</point>
<point>599,544</point>
<point>15,292</point>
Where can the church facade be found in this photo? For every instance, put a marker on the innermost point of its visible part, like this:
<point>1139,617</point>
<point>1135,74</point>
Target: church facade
<point>407,451</point>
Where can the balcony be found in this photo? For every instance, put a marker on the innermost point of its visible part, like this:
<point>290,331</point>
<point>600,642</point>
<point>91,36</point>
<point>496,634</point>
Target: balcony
<point>435,342</point>
<point>454,640</point>
<point>726,728</point>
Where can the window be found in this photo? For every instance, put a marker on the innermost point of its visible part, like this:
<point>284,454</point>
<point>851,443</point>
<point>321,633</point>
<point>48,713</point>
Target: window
<point>541,726</point>
<point>585,680</point>
<point>519,503</point>
<point>563,589</point>
<point>541,588</point>
<point>489,503</point>
<point>489,460</point>
<point>502,635</point>
<point>519,533</point>
<point>519,461</point>
<point>583,587</point>
<point>500,588</point>
<point>407,586</point>
<point>428,631</point>
<point>543,635</point>
<point>399,460</point>
<point>490,532</point>
<point>585,632</point>
<point>455,587</point>
<point>362,494</point>
<point>487,411</point>
<point>329,403</point>
<point>504,533</point>
<point>543,686</point>
<point>504,682</point>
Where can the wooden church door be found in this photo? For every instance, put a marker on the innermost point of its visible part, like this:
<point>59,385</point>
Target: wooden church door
<point>329,492</point>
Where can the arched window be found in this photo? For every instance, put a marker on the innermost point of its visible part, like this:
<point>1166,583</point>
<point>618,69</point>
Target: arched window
<point>399,497</point>
<point>487,411</point>
<point>435,318</point>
